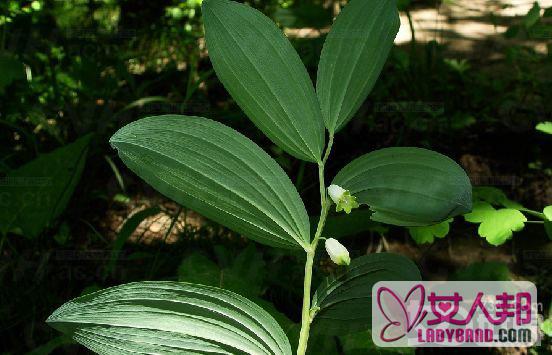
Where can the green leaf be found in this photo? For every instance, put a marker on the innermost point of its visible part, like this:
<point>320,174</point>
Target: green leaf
<point>52,345</point>
<point>264,74</point>
<point>318,343</point>
<point>532,16</point>
<point>361,344</point>
<point>403,5</point>
<point>427,235</point>
<point>216,171</point>
<point>545,127</point>
<point>548,223</point>
<point>197,268</point>
<point>301,15</point>
<point>343,225</point>
<point>353,56</point>
<point>169,317</point>
<point>245,276</point>
<point>34,195</point>
<point>125,233</point>
<point>494,196</point>
<point>484,271</point>
<point>546,327</point>
<point>548,229</point>
<point>345,300</point>
<point>11,69</point>
<point>548,212</point>
<point>497,226</point>
<point>408,186</point>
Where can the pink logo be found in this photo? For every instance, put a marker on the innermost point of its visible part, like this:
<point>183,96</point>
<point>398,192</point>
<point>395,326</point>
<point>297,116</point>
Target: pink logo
<point>402,314</point>
<point>454,313</point>
<point>445,306</point>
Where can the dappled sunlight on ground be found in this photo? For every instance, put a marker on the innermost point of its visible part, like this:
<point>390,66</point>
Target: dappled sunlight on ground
<point>464,24</point>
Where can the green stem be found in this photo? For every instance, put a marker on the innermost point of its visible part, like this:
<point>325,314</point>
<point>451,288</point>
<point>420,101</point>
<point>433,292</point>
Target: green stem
<point>534,213</point>
<point>412,30</point>
<point>306,317</point>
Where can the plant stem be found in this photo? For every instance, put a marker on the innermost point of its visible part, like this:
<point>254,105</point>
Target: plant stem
<point>306,317</point>
<point>534,213</point>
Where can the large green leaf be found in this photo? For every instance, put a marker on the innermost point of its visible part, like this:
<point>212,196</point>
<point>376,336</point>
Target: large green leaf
<point>169,317</point>
<point>353,56</point>
<point>34,195</point>
<point>216,171</point>
<point>264,74</point>
<point>345,300</point>
<point>408,186</point>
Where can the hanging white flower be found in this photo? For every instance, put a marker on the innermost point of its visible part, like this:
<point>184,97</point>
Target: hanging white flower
<point>337,252</point>
<point>342,198</point>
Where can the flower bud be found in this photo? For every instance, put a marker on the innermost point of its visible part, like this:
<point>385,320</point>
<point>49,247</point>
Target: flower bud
<point>337,252</point>
<point>342,199</point>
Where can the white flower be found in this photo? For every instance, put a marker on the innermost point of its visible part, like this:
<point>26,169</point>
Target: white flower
<point>336,193</point>
<point>337,252</point>
<point>342,199</point>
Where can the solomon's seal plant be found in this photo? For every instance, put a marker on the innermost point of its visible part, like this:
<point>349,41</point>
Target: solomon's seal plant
<point>218,172</point>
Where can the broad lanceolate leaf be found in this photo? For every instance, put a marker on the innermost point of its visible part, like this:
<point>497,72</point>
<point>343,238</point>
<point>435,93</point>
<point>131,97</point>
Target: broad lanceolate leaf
<point>34,195</point>
<point>408,186</point>
<point>169,317</point>
<point>497,226</point>
<point>353,56</point>
<point>427,234</point>
<point>345,301</point>
<point>264,74</point>
<point>216,171</point>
